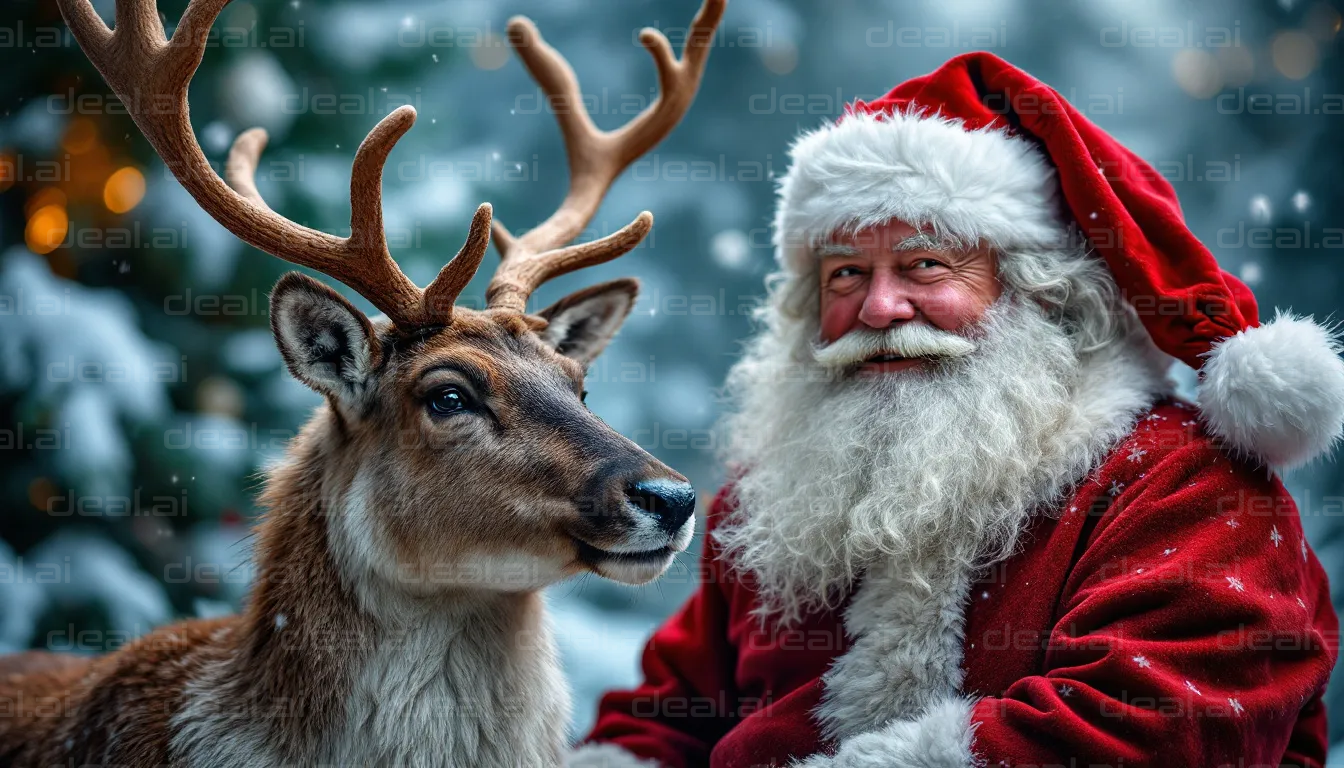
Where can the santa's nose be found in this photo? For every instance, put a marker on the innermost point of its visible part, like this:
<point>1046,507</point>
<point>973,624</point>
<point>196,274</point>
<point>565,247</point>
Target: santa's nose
<point>886,303</point>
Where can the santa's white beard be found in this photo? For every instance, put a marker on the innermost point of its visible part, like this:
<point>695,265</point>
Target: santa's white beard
<point>932,468</point>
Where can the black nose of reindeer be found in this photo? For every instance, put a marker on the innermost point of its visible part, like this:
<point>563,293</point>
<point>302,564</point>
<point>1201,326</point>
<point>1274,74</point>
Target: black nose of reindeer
<point>670,502</point>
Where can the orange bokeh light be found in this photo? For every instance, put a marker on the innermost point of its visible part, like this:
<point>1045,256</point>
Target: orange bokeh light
<point>124,190</point>
<point>47,228</point>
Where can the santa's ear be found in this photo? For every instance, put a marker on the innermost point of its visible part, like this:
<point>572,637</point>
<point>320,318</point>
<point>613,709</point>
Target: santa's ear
<point>580,325</point>
<point>326,342</point>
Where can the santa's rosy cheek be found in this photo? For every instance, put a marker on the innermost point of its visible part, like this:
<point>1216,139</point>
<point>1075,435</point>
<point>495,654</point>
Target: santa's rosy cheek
<point>952,307</point>
<point>839,314</point>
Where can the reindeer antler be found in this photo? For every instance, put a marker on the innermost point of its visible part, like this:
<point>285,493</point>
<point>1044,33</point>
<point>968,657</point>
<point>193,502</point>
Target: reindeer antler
<point>595,157</point>
<point>150,74</point>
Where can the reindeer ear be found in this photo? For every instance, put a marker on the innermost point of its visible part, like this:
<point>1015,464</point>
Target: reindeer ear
<point>325,341</point>
<point>581,324</point>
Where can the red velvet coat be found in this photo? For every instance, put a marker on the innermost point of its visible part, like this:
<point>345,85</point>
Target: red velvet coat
<point>1170,613</point>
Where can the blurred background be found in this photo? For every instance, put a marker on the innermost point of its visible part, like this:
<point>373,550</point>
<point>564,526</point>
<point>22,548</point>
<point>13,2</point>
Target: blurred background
<point>141,394</point>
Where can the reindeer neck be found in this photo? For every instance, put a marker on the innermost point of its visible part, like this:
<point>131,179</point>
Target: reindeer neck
<point>368,671</point>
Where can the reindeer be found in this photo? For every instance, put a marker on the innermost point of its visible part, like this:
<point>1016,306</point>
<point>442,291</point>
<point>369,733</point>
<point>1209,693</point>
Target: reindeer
<point>451,474</point>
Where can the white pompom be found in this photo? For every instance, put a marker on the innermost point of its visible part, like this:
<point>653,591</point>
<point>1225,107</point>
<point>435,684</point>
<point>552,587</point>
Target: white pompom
<point>1276,393</point>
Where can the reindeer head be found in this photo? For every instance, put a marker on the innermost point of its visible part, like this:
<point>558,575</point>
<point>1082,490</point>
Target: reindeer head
<point>456,447</point>
<point>465,455</point>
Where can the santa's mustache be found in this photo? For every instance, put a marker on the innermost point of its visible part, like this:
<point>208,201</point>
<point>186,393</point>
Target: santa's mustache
<point>905,340</point>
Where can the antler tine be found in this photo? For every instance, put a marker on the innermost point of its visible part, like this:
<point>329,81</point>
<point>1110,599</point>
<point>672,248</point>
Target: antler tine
<point>367,261</point>
<point>511,287</point>
<point>195,24</point>
<point>240,169</point>
<point>581,137</point>
<point>595,157</point>
<point>441,294</point>
<point>147,71</point>
<point>87,27</point>
<point>678,81</point>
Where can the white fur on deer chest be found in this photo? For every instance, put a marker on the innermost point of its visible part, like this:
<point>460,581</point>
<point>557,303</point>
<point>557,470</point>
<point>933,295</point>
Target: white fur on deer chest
<point>449,680</point>
<point>446,694</point>
<point>907,646</point>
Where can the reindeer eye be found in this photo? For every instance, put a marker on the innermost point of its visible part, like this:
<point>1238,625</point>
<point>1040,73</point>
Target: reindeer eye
<point>446,401</point>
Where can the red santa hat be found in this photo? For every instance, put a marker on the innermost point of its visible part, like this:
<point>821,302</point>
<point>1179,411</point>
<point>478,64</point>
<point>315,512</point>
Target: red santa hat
<point>982,151</point>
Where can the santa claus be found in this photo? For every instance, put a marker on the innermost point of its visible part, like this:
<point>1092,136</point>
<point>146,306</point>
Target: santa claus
<point>969,523</point>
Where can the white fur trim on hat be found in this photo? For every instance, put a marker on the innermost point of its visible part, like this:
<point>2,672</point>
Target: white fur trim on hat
<point>1276,392</point>
<point>927,171</point>
<point>605,756</point>
<point>939,738</point>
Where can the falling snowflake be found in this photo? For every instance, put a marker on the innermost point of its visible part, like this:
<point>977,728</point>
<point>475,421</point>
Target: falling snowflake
<point>1237,709</point>
<point>1192,688</point>
<point>1155,417</point>
<point>1234,583</point>
<point>1116,487</point>
<point>1142,661</point>
<point>1261,211</point>
<point>1189,423</point>
<point>1168,551</point>
<point>984,595</point>
<point>1136,453</point>
<point>1232,522</point>
<point>1275,536</point>
<point>731,249</point>
<point>1303,544</point>
<point>1066,690</point>
<point>1301,604</point>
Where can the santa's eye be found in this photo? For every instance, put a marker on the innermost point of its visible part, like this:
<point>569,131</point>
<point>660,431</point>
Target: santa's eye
<point>844,272</point>
<point>927,264</point>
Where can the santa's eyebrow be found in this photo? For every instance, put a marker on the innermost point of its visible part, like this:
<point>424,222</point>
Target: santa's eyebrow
<point>835,249</point>
<point>923,241</point>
